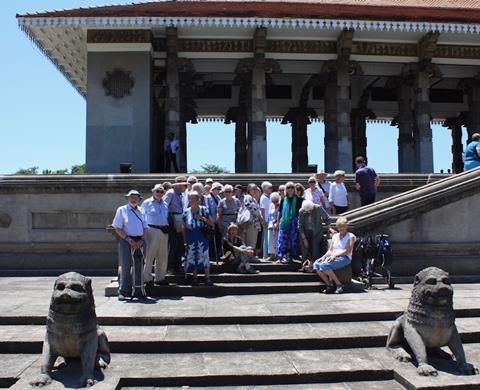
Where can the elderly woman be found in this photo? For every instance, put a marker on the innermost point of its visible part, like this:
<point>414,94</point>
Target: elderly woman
<point>235,249</point>
<point>227,209</point>
<point>339,255</point>
<point>281,191</point>
<point>311,219</point>
<point>338,196</point>
<point>472,153</point>
<point>273,225</point>
<point>198,187</point>
<point>195,219</point>
<point>249,217</point>
<point>314,193</point>
<point>288,224</point>
<point>299,190</point>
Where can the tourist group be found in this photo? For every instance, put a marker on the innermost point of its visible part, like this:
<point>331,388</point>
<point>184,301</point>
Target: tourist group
<point>185,225</point>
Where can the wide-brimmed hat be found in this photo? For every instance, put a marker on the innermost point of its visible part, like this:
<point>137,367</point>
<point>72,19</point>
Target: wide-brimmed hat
<point>217,185</point>
<point>180,181</point>
<point>133,192</point>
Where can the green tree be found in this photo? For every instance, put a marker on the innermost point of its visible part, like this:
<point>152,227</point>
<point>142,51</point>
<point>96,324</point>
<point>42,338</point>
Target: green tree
<point>80,169</point>
<point>213,168</point>
<point>28,171</point>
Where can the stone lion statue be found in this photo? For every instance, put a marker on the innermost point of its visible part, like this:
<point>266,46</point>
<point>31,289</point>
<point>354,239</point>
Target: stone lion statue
<point>72,330</point>
<point>429,324</point>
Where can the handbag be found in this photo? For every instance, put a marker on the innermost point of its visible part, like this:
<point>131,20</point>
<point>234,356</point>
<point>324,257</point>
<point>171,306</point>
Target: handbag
<point>243,216</point>
<point>207,230</point>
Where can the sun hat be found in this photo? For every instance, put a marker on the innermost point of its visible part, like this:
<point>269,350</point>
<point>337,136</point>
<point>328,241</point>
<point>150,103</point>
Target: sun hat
<point>133,192</point>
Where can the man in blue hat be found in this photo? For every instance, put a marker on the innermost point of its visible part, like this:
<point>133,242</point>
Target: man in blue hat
<point>130,226</point>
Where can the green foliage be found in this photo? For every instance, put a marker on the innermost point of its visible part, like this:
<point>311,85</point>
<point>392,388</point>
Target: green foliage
<point>212,168</point>
<point>80,169</point>
<point>75,170</point>
<point>28,171</point>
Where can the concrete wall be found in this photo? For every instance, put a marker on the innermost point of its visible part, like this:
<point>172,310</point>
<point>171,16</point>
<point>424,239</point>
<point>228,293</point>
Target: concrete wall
<point>58,223</point>
<point>118,130</point>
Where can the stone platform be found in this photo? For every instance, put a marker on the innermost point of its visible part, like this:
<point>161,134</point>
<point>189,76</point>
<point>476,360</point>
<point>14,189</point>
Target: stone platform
<point>268,341</point>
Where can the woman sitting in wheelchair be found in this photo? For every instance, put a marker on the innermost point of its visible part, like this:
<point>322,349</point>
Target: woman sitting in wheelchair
<point>339,255</point>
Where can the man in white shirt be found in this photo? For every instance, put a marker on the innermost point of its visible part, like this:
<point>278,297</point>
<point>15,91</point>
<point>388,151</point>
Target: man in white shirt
<point>265,203</point>
<point>130,226</point>
<point>156,215</point>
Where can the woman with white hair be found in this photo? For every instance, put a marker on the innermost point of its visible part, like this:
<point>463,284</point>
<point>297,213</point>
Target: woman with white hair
<point>472,153</point>
<point>273,225</point>
<point>195,219</point>
<point>227,209</point>
<point>338,196</point>
<point>339,255</point>
<point>198,187</point>
<point>311,219</point>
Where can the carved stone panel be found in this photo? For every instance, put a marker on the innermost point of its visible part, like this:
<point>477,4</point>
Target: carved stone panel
<point>118,83</point>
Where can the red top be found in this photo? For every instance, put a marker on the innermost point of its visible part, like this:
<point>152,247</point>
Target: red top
<point>440,11</point>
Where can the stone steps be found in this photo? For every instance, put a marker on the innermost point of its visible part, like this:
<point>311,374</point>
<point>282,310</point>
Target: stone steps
<point>229,338</point>
<point>252,368</point>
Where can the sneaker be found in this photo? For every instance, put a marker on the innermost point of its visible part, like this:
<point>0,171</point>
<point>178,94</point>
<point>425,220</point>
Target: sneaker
<point>339,289</point>
<point>121,297</point>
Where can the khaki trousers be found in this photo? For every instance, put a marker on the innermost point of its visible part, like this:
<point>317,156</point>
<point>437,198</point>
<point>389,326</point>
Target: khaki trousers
<point>157,250</point>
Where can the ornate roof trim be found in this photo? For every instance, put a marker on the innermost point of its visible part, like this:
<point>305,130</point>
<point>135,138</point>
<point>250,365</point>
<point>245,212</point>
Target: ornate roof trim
<point>145,21</point>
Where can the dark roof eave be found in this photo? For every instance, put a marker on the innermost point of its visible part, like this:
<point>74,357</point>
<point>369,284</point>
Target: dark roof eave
<point>280,10</point>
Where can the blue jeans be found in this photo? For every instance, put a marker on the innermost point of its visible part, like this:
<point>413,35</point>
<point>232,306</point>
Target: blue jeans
<point>339,262</point>
<point>125,261</point>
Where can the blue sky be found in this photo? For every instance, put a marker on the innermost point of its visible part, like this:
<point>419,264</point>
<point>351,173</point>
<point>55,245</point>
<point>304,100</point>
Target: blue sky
<point>42,117</point>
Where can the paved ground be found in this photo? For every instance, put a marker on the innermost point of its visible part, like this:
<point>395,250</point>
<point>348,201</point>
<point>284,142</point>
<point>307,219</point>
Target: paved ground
<point>268,341</point>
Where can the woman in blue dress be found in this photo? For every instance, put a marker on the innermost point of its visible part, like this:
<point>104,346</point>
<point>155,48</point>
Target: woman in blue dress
<point>472,153</point>
<point>197,258</point>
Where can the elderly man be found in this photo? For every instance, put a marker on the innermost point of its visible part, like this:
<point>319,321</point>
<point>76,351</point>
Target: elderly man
<point>130,226</point>
<point>311,218</point>
<point>156,214</point>
<point>174,198</point>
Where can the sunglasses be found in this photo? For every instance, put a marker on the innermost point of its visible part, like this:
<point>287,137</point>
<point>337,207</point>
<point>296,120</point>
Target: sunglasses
<point>227,191</point>
<point>159,191</point>
<point>311,182</point>
<point>290,188</point>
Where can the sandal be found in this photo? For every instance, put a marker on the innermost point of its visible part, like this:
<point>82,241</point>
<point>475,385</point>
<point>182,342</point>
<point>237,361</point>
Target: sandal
<point>339,289</point>
<point>330,289</point>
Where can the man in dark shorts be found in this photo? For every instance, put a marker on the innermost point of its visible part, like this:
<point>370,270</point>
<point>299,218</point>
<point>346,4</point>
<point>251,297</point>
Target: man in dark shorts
<point>366,182</point>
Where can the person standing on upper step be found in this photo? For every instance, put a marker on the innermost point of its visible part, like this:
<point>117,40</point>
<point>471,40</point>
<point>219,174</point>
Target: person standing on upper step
<point>265,203</point>
<point>174,198</point>
<point>338,194</point>
<point>366,181</point>
<point>156,215</point>
<point>471,158</point>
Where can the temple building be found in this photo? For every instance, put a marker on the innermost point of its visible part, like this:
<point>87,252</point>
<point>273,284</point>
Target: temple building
<point>148,69</point>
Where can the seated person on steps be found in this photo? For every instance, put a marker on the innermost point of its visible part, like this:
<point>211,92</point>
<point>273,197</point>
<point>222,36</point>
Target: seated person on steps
<point>237,252</point>
<point>339,255</point>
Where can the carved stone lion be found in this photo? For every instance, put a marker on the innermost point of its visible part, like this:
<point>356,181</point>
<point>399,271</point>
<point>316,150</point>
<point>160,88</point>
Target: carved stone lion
<point>429,324</point>
<point>72,330</point>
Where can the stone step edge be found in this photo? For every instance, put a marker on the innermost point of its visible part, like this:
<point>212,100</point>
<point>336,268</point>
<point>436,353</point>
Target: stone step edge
<point>227,320</point>
<point>205,346</point>
<point>259,380</point>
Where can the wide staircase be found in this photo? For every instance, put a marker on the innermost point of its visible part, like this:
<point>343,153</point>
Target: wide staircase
<point>271,330</point>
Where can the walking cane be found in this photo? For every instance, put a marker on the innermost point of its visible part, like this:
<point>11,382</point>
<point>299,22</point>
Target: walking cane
<point>136,258</point>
